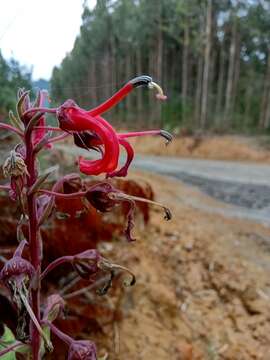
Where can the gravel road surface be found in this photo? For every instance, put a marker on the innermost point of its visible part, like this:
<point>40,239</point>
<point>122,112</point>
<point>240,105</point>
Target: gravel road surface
<point>245,186</point>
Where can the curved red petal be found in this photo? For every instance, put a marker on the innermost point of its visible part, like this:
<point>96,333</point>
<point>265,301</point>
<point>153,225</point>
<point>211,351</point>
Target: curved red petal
<point>130,155</point>
<point>76,119</point>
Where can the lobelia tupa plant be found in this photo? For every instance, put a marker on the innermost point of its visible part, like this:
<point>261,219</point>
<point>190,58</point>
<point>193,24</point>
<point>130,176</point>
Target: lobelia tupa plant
<point>23,274</point>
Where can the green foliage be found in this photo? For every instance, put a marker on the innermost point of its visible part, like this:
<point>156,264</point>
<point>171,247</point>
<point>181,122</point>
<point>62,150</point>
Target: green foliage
<point>6,340</point>
<point>12,76</point>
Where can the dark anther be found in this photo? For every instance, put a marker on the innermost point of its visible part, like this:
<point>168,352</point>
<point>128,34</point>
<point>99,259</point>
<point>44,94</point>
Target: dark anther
<point>168,214</point>
<point>167,136</point>
<point>143,80</point>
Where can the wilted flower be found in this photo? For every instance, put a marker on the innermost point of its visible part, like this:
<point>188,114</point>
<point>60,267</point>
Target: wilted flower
<point>17,274</point>
<point>86,263</point>
<point>15,168</point>
<point>78,349</point>
<point>54,307</point>
<point>104,197</point>
<point>14,165</point>
<point>82,350</point>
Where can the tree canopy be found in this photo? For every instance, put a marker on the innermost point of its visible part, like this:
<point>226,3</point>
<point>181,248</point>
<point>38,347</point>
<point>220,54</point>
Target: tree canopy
<point>212,58</point>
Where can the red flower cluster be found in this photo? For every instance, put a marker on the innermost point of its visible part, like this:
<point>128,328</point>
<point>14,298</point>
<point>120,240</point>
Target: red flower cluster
<point>23,276</point>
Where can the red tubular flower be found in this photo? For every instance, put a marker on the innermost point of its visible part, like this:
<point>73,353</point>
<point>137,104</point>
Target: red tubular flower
<point>72,118</point>
<point>94,132</point>
<point>143,80</point>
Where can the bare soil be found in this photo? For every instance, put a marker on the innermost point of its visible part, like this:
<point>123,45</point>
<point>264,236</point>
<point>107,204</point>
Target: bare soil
<point>227,147</point>
<point>203,285</point>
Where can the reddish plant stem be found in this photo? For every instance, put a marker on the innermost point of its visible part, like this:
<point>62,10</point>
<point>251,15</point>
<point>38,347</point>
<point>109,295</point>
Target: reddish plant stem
<point>64,337</point>
<point>33,110</point>
<point>34,242</point>
<point>4,187</point>
<point>11,128</point>
<point>62,195</point>
<point>56,263</point>
<point>51,128</point>
<point>58,138</point>
<point>10,348</point>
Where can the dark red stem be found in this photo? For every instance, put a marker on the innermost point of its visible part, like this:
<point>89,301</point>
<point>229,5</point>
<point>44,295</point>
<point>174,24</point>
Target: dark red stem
<point>10,348</point>
<point>51,128</point>
<point>4,187</point>
<point>11,128</point>
<point>64,196</point>
<point>33,110</point>
<point>34,241</point>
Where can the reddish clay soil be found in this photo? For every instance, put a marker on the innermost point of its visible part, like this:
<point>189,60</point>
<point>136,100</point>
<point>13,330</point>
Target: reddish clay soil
<point>202,287</point>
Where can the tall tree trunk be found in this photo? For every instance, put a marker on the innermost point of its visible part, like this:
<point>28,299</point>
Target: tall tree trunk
<point>93,82</point>
<point>264,111</point>
<point>231,73</point>
<point>139,72</point>
<point>267,113</point>
<point>207,52</point>
<point>248,97</point>
<point>212,87</point>
<point>198,95</point>
<point>220,85</point>
<point>157,110</point>
<point>236,71</point>
<point>199,76</point>
<point>156,57</point>
<point>129,76</point>
<point>185,68</point>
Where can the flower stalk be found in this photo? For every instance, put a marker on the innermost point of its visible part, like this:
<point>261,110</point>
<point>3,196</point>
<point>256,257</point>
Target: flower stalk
<point>22,276</point>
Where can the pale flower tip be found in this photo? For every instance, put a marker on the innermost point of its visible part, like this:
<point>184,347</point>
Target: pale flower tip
<point>161,97</point>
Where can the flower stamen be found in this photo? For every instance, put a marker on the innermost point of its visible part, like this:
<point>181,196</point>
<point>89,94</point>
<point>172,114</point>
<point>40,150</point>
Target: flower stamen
<point>118,196</point>
<point>160,94</point>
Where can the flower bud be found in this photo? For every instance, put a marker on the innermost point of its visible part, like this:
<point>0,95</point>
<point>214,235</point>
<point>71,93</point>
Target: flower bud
<point>14,165</point>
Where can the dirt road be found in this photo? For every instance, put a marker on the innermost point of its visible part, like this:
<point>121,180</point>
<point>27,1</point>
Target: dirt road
<point>245,186</point>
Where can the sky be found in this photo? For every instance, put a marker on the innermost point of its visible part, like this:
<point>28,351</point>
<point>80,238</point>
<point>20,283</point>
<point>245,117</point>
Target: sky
<point>39,33</point>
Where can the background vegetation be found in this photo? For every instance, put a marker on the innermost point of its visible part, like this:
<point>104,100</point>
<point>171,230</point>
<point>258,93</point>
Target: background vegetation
<point>211,56</point>
<point>12,75</point>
